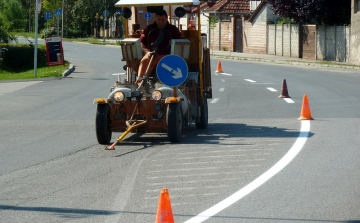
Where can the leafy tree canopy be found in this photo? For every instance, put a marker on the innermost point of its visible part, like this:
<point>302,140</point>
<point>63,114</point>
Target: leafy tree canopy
<point>329,12</point>
<point>12,15</point>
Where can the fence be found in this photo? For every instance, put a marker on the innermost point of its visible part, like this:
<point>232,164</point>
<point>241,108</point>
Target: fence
<point>283,40</point>
<point>333,43</point>
<point>292,40</point>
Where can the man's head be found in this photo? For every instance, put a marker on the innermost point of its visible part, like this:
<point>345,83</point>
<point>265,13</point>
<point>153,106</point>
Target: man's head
<point>161,18</point>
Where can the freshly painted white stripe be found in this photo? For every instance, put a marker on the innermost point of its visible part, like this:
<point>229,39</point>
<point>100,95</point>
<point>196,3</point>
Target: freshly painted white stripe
<point>226,74</point>
<point>272,89</point>
<point>281,164</point>
<point>252,81</point>
<point>222,89</point>
<point>192,169</point>
<point>200,174</point>
<point>289,100</point>
<point>214,100</point>
<point>195,181</point>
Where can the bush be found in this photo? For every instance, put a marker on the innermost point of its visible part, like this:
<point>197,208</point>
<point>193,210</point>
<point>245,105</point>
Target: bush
<point>21,56</point>
<point>48,32</point>
<point>5,37</point>
<point>71,33</point>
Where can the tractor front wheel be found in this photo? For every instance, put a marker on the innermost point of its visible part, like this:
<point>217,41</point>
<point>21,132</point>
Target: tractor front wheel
<point>174,122</point>
<point>102,124</point>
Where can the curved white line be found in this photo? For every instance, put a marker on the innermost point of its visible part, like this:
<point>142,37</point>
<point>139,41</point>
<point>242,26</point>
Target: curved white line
<point>281,164</point>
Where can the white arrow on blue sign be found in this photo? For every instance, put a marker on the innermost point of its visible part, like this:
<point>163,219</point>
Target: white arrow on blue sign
<point>48,15</point>
<point>172,70</point>
<point>58,12</point>
<point>147,16</point>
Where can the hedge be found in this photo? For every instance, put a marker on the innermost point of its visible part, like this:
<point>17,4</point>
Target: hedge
<point>21,56</point>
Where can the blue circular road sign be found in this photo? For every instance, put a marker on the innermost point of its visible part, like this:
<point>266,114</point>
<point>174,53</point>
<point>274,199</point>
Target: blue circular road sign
<point>147,16</point>
<point>172,70</point>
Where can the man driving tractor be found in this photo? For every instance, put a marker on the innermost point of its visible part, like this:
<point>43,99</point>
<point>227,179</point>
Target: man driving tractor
<point>151,34</point>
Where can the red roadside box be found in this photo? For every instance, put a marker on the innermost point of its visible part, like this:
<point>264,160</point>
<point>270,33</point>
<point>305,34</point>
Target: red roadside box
<point>55,54</point>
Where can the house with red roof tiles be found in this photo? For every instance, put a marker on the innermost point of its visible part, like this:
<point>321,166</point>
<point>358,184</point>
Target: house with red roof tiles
<point>241,27</point>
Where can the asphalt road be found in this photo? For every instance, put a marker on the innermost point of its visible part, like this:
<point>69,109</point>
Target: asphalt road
<point>53,170</point>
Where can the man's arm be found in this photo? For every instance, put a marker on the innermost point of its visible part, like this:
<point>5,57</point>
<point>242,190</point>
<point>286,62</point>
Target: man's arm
<point>145,49</point>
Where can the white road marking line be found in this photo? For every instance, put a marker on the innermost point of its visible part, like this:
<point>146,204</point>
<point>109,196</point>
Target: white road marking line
<point>251,81</point>
<point>187,188</point>
<point>226,74</point>
<point>272,89</point>
<point>127,186</point>
<point>200,174</point>
<point>194,181</point>
<point>216,161</point>
<point>222,80</point>
<point>202,157</point>
<point>281,164</point>
<point>289,100</point>
<point>222,89</point>
<point>180,196</point>
<point>214,100</point>
<point>205,168</point>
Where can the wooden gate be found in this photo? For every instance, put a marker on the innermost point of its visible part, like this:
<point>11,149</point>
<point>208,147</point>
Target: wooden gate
<point>238,35</point>
<point>308,50</point>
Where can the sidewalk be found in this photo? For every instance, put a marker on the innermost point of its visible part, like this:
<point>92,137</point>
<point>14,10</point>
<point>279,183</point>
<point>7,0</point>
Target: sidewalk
<point>273,59</point>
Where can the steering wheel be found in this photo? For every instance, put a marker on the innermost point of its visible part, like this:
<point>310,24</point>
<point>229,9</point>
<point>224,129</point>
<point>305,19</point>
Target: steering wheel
<point>158,43</point>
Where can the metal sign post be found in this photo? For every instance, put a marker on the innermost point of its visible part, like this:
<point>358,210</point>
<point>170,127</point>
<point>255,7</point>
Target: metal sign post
<point>58,13</point>
<point>62,20</point>
<point>106,13</point>
<point>37,11</point>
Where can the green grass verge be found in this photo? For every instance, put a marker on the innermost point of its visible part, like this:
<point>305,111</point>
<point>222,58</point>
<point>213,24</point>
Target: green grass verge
<point>55,71</point>
<point>91,41</point>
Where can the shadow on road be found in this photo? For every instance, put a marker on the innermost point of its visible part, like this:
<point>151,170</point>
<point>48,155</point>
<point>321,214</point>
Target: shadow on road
<point>216,133</point>
<point>83,213</point>
<point>70,212</point>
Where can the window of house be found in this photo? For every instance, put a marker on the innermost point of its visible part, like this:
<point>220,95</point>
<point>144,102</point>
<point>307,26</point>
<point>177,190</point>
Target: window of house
<point>358,5</point>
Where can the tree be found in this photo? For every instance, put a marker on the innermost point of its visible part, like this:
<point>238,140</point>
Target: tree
<point>329,12</point>
<point>12,15</point>
<point>5,37</point>
<point>87,14</point>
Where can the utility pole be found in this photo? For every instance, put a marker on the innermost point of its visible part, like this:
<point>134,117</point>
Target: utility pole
<point>62,20</point>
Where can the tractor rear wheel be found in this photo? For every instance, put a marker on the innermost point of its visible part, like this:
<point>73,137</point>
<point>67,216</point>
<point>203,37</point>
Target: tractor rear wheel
<point>203,120</point>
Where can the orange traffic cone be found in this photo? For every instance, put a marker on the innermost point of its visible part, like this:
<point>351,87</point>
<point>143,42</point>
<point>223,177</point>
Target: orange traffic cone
<point>164,212</point>
<point>219,68</point>
<point>284,91</point>
<point>305,110</point>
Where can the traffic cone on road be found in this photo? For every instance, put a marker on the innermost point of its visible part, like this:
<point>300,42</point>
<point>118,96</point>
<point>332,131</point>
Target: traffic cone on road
<point>219,68</point>
<point>164,212</point>
<point>305,110</point>
<point>284,91</point>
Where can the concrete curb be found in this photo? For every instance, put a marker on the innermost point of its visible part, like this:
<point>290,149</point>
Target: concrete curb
<point>68,71</point>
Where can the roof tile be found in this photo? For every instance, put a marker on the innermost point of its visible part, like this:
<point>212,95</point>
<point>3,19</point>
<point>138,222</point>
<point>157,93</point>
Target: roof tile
<point>231,6</point>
